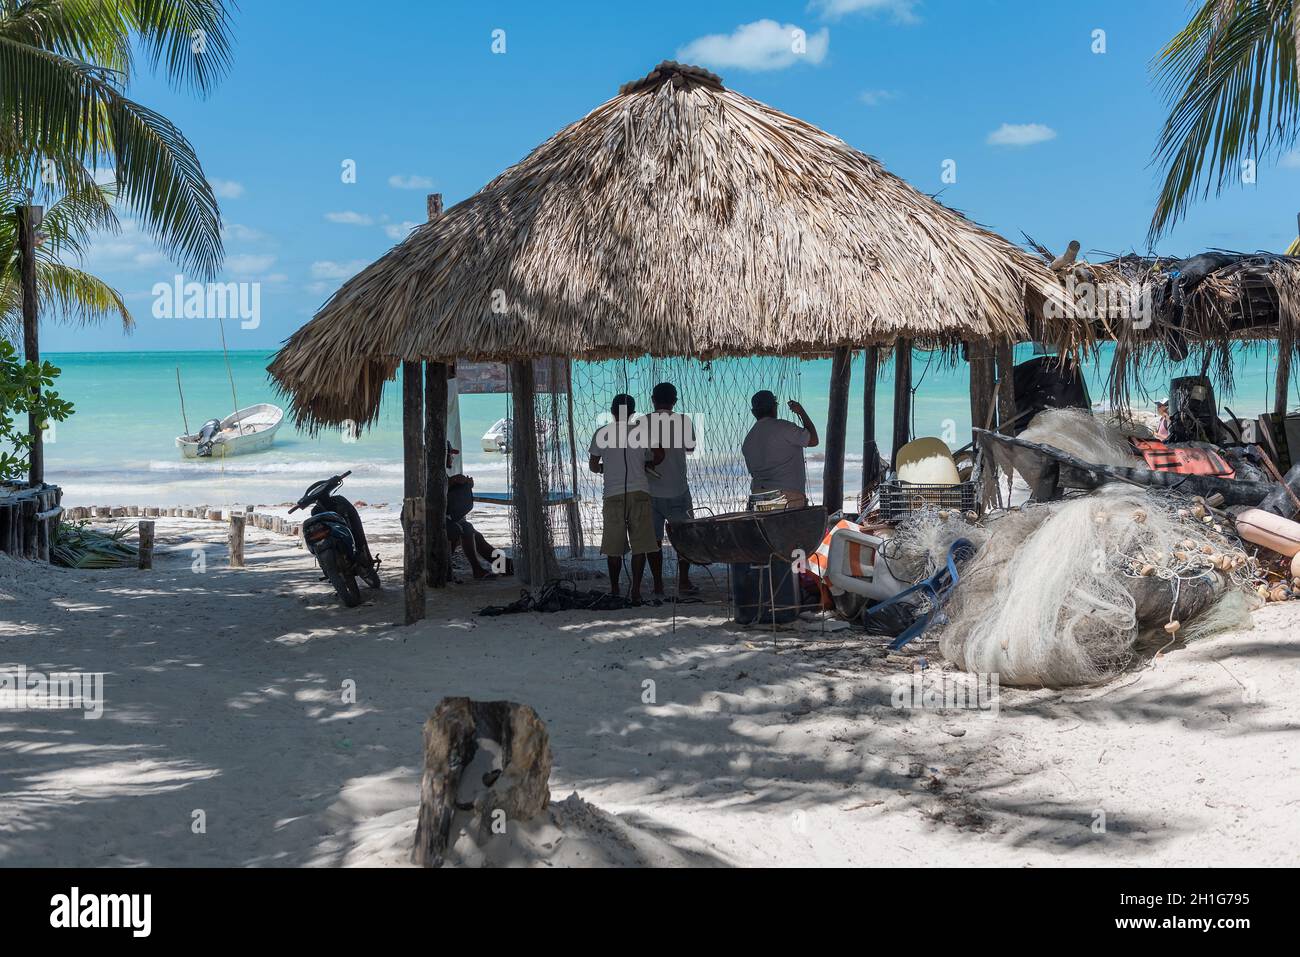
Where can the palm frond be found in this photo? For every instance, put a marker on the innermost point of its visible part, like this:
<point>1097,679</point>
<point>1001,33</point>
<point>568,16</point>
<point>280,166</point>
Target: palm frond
<point>64,107</point>
<point>1230,76</point>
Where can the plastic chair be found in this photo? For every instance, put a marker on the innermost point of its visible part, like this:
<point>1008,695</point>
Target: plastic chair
<point>937,589</point>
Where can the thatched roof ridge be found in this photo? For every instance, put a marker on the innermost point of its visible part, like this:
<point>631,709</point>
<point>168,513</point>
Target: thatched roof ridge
<point>678,218</point>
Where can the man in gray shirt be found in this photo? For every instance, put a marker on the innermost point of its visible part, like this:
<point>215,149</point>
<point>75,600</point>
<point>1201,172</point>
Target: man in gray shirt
<point>773,449</point>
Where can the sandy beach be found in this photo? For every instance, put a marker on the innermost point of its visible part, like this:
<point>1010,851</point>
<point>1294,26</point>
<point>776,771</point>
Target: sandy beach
<point>224,701</point>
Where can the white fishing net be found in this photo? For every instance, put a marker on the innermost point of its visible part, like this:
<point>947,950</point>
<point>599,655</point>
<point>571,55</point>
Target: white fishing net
<point>1049,599</point>
<point>1095,438</point>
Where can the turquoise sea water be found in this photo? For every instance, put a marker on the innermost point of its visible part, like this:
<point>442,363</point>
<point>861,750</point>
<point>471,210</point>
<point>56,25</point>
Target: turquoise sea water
<point>119,447</point>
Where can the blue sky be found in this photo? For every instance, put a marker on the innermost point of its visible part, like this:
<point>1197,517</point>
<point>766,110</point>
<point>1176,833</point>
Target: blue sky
<point>1048,137</point>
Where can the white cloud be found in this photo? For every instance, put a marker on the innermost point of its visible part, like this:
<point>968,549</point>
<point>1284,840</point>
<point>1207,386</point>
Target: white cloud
<point>241,233</point>
<point>1290,160</point>
<point>226,188</point>
<point>248,264</point>
<point>397,181</point>
<point>876,97</point>
<point>903,11</point>
<point>761,45</point>
<point>328,269</point>
<point>350,218</point>
<point>1021,134</point>
<point>399,230</point>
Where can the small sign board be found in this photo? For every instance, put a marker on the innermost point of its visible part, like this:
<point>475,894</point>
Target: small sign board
<point>479,378</point>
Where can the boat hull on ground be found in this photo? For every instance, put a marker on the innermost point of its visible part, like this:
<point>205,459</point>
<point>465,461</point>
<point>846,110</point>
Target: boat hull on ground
<point>1045,468</point>
<point>249,430</point>
<point>755,537</point>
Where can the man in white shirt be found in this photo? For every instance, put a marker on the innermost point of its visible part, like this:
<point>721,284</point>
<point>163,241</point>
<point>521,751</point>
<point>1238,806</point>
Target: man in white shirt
<point>670,494</point>
<point>620,451</point>
<point>773,450</point>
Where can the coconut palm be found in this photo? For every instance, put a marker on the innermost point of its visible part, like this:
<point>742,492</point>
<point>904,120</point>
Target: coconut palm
<point>64,69</point>
<point>62,289</point>
<point>1230,78</point>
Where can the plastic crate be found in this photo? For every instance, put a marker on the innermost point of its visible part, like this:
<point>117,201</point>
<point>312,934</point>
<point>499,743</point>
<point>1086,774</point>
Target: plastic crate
<point>900,499</point>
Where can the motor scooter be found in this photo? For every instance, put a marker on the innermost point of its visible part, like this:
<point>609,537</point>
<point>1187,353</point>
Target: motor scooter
<point>334,535</point>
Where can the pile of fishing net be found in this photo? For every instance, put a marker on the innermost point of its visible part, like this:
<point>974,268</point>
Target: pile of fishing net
<point>1060,593</point>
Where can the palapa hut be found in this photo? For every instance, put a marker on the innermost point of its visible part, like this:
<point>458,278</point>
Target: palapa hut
<point>1199,307</point>
<point>679,218</point>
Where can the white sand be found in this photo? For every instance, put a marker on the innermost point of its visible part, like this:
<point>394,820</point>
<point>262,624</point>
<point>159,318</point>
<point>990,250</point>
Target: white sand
<point>224,694</point>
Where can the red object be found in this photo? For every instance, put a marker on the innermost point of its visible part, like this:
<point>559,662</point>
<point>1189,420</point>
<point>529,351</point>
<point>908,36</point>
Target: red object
<point>1184,461</point>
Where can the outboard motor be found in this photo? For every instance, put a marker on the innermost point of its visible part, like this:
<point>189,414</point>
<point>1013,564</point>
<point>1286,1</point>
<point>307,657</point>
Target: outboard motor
<point>207,435</point>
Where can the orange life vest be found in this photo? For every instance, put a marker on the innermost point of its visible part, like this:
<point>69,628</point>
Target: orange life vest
<point>1184,461</point>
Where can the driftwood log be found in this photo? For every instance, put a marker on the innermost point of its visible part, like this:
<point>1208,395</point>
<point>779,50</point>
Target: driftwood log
<point>484,757</point>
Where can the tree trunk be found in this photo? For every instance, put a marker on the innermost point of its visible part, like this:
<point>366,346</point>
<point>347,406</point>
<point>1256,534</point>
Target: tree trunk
<point>29,220</point>
<point>488,758</point>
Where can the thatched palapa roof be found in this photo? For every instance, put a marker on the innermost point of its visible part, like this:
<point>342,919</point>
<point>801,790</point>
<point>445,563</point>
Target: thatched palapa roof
<point>677,219</point>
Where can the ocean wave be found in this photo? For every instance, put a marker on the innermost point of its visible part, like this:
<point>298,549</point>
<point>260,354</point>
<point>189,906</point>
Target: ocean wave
<point>240,466</point>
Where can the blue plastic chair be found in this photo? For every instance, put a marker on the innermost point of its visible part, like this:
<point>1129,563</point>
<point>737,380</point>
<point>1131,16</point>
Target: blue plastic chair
<point>937,588</point>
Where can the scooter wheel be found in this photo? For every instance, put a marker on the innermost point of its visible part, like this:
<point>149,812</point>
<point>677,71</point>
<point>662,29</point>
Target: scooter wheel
<point>344,583</point>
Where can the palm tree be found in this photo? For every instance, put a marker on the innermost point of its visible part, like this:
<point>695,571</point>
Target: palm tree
<point>64,68</point>
<point>1230,77</point>
<point>64,290</point>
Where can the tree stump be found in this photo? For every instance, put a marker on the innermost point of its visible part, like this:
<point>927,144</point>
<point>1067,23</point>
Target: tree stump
<point>484,757</point>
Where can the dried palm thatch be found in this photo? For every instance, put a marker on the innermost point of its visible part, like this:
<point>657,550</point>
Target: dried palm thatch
<point>1170,310</point>
<point>677,219</point>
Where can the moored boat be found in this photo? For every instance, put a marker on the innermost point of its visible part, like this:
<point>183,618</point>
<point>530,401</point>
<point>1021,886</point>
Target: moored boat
<point>247,430</point>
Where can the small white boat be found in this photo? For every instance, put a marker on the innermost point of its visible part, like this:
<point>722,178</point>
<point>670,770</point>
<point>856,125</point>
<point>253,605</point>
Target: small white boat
<point>248,430</point>
<point>497,438</point>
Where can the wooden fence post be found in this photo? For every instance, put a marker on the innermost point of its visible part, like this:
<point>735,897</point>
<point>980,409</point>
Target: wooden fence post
<point>236,540</point>
<point>146,544</point>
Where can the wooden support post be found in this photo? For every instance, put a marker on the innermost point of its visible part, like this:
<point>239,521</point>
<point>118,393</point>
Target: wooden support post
<point>572,512</point>
<point>535,562</point>
<point>870,445</point>
<point>837,422</point>
<point>902,396</point>
<point>413,481</point>
<point>1006,387</point>
<point>413,529</point>
<point>982,381</point>
<point>146,544</point>
<point>435,473</point>
<point>237,539</point>
<point>29,220</point>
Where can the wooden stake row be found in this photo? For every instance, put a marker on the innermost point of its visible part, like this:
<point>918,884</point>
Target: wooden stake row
<point>277,524</point>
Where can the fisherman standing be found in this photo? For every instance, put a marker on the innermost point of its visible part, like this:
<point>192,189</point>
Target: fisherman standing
<point>773,450</point>
<point>670,494</point>
<point>620,451</point>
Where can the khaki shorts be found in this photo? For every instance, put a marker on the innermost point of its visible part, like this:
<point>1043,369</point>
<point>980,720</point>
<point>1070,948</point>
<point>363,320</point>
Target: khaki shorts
<point>627,523</point>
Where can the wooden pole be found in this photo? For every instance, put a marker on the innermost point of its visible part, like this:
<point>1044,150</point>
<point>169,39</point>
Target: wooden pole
<point>535,562</point>
<point>1006,386</point>
<point>237,539</point>
<point>979,354</point>
<point>29,220</point>
<point>413,527</point>
<point>413,486</point>
<point>1282,385</point>
<point>435,473</point>
<point>902,396</point>
<point>435,454</point>
<point>576,544</point>
<point>145,529</point>
<point>870,446</point>
<point>837,421</point>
